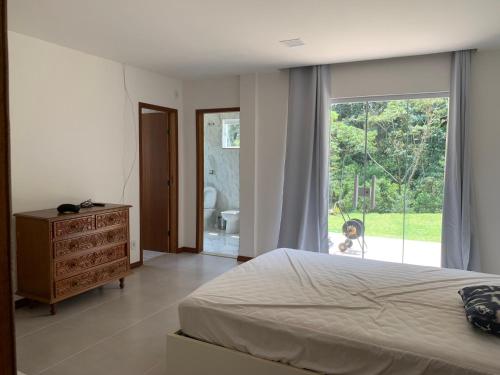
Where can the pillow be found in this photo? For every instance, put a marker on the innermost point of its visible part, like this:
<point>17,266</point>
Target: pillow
<point>482,306</point>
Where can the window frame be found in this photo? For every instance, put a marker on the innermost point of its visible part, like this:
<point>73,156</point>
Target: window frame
<point>380,98</point>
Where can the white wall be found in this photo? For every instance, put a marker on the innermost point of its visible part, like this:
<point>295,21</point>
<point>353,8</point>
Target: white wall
<point>222,92</point>
<point>73,131</point>
<point>485,120</point>
<point>272,103</point>
<point>404,75</point>
<point>418,74</point>
<point>262,99</point>
<point>248,176</point>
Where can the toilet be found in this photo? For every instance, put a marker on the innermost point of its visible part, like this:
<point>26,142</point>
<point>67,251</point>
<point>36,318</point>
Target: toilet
<point>232,218</point>
<point>209,200</point>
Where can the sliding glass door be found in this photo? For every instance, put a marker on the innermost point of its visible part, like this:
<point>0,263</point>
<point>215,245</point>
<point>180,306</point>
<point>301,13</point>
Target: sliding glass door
<point>386,179</point>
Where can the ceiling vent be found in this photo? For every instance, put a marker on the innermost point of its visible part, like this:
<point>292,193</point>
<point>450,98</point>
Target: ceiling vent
<point>292,42</point>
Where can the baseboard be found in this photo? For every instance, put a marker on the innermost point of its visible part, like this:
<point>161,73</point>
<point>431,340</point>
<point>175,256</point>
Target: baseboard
<point>136,264</point>
<point>187,250</point>
<point>242,258</point>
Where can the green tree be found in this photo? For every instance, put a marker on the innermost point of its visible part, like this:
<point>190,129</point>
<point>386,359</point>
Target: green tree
<point>406,142</point>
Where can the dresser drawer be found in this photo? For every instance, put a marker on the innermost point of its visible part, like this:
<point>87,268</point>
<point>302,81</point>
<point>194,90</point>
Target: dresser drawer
<point>89,241</point>
<point>88,279</point>
<point>67,267</point>
<point>111,218</point>
<point>73,226</point>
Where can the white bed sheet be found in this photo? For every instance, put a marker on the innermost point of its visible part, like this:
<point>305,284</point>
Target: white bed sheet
<point>340,315</point>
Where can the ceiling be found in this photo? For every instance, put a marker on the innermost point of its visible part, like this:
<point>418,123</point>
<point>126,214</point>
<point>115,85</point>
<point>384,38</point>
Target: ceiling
<point>195,38</point>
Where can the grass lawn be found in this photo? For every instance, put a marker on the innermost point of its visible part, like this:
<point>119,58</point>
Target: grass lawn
<point>421,227</point>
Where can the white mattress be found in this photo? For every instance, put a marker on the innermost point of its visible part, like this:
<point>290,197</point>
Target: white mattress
<point>340,315</point>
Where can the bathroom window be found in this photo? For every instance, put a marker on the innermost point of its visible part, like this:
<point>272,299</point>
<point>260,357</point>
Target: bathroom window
<point>231,133</point>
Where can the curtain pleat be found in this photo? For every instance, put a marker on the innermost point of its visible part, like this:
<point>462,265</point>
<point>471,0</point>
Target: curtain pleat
<point>304,216</point>
<point>459,244</point>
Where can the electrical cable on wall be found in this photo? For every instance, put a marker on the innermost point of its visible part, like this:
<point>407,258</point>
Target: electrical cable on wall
<point>134,128</point>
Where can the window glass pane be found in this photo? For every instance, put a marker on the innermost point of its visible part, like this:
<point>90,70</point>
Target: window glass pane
<point>231,133</point>
<point>384,184</point>
<point>427,125</point>
<point>347,150</point>
<point>389,175</point>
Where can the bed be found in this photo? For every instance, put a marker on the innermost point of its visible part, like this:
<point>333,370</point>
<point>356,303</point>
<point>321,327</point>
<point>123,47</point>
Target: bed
<point>295,312</point>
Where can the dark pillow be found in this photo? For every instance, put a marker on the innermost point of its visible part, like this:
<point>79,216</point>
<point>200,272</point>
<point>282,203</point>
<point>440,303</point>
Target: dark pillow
<point>482,306</point>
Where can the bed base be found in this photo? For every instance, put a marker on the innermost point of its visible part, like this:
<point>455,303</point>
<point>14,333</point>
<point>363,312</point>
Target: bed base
<point>187,356</point>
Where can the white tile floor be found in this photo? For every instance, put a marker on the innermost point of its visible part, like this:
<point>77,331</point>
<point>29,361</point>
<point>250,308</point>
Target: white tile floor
<point>148,255</point>
<point>113,331</point>
<point>219,242</point>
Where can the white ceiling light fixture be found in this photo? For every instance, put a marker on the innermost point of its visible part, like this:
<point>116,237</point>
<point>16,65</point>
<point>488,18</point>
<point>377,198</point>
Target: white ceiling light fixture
<point>296,42</point>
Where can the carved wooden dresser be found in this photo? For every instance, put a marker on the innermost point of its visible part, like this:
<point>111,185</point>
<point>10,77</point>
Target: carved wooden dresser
<point>62,255</point>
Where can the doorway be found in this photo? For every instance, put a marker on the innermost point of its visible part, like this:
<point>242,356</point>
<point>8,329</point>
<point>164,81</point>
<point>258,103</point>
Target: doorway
<point>158,180</point>
<point>387,161</point>
<point>218,168</point>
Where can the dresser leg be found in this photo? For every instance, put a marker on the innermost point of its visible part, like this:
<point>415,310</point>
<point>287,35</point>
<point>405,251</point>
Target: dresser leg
<point>52,309</point>
<point>122,283</point>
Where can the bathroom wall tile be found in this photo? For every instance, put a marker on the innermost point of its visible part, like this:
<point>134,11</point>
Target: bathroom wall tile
<point>224,162</point>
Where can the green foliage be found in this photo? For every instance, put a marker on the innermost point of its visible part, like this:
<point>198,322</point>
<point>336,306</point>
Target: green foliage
<point>429,195</point>
<point>405,144</point>
<point>419,226</point>
<point>389,198</point>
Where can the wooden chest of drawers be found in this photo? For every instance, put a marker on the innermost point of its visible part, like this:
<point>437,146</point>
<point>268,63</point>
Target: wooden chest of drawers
<point>62,255</point>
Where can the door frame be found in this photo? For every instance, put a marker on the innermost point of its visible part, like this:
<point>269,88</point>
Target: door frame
<point>173,152</point>
<point>200,168</point>
<point>7,338</point>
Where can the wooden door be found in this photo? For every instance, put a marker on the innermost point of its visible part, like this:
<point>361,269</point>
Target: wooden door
<point>155,189</point>
<point>7,340</point>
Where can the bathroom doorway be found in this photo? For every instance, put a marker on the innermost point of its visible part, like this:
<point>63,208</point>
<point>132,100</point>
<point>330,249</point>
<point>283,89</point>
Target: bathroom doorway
<point>218,181</point>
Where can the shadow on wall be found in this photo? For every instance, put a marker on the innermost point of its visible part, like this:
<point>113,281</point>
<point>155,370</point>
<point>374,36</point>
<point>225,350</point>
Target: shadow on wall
<point>222,162</point>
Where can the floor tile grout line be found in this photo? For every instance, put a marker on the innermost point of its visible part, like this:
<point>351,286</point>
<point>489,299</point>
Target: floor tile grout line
<point>76,314</point>
<point>109,337</point>
<point>80,312</point>
<point>120,334</point>
<point>152,368</point>
<point>62,320</point>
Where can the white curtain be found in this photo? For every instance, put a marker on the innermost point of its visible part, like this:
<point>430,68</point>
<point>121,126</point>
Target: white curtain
<point>304,216</point>
<point>459,245</point>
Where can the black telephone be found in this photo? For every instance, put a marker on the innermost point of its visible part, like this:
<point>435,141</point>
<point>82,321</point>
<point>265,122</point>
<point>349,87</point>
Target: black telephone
<point>66,208</point>
<point>88,203</point>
